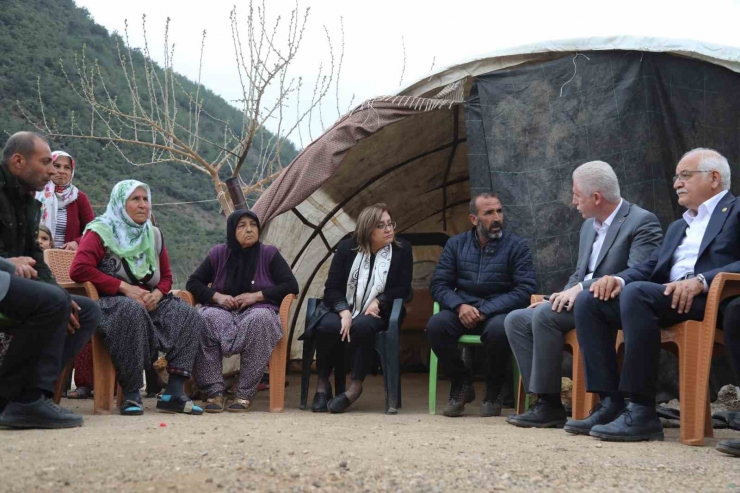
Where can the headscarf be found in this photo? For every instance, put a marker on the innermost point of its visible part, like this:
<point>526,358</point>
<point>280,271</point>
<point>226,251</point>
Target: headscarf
<point>53,197</point>
<point>134,243</point>
<point>242,262</point>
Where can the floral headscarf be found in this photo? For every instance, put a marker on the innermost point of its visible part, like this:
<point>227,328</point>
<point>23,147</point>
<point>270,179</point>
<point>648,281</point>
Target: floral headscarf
<point>54,197</point>
<point>133,242</point>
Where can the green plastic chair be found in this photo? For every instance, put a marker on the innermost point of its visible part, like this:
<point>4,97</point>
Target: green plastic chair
<point>433,363</point>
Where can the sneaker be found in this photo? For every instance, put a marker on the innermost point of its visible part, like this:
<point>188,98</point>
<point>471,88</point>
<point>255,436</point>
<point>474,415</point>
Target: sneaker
<point>42,413</point>
<point>540,415</point>
<point>461,393</point>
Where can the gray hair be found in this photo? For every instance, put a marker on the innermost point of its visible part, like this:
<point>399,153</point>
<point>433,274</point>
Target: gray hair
<point>474,201</point>
<point>23,143</point>
<point>712,160</point>
<point>598,176</point>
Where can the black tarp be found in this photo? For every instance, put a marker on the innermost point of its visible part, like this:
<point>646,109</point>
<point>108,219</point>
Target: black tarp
<point>530,126</point>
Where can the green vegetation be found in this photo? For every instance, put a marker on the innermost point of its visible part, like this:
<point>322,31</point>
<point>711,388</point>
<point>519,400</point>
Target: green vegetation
<point>34,36</point>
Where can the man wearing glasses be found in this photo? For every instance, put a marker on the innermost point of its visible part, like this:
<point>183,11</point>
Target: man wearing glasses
<point>670,287</point>
<point>482,275</point>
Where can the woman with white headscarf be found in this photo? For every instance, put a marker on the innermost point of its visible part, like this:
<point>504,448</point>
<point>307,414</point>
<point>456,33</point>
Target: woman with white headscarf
<point>124,256</point>
<point>65,210</point>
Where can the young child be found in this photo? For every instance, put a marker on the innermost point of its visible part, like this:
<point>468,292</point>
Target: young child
<point>45,238</point>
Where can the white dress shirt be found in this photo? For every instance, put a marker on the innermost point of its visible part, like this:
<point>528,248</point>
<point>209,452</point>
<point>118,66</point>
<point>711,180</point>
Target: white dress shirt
<point>601,230</point>
<point>684,258</point>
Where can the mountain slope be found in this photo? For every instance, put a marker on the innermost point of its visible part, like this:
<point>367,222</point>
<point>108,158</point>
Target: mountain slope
<point>34,36</point>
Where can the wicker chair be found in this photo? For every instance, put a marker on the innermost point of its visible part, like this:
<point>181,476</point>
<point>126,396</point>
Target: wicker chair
<point>104,374</point>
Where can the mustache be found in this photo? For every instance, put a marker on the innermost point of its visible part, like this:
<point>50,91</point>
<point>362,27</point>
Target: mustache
<point>495,224</point>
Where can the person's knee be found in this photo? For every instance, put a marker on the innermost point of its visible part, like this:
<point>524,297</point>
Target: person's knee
<point>439,323</point>
<point>494,333</point>
<point>637,294</point>
<point>518,322</point>
<point>731,316</point>
<point>363,327</point>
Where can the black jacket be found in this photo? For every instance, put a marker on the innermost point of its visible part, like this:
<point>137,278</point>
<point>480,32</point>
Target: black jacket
<point>20,213</point>
<point>397,285</point>
<point>497,279</point>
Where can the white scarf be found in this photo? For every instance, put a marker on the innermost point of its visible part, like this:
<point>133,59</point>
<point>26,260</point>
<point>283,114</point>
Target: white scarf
<point>364,286</point>
<point>54,197</point>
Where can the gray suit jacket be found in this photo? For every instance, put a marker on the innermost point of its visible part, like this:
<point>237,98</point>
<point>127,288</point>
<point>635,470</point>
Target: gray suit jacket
<point>630,240</point>
<point>7,269</point>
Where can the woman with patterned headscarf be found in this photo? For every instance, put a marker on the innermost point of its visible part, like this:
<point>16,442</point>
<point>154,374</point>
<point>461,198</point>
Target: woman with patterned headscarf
<point>124,256</point>
<point>65,210</point>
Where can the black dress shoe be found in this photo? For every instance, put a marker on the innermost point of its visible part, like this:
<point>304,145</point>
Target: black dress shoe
<point>320,400</point>
<point>461,393</point>
<point>42,413</point>
<point>603,413</point>
<point>637,423</point>
<point>731,447</point>
<point>340,403</point>
<point>541,415</point>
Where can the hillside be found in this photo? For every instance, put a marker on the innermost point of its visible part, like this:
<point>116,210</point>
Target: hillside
<point>34,36</point>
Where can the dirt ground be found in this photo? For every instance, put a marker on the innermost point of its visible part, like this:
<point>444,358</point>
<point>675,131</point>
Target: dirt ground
<point>363,450</point>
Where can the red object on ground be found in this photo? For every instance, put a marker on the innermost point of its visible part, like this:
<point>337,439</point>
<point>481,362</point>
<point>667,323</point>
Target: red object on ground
<point>163,425</point>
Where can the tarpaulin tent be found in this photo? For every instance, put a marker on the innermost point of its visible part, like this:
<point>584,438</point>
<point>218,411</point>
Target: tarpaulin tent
<point>532,114</point>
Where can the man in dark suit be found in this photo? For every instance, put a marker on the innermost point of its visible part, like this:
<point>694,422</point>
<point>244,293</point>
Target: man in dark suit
<point>670,287</point>
<point>616,235</point>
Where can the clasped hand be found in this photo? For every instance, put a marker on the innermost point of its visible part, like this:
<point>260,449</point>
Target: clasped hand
<point>148,300</point>
<point>236,302</point>
<point>469,316</point>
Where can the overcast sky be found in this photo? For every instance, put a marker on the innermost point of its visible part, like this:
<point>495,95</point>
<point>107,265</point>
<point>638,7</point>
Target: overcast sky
<point>453,32</point>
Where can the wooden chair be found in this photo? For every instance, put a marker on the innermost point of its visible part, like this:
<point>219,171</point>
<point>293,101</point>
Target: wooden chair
<point>279,360</point>
<point>695,342</point>
<point>582,401</point>
<point>104,374</point>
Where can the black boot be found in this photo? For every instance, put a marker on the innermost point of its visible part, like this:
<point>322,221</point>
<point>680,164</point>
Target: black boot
<point>603,413</point>
<point>637,423</point>
<point>493,401</point>
<point>461,393</point>
<point>543,414</point>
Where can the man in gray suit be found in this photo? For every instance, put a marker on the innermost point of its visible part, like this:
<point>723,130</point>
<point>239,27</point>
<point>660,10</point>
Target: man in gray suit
<point>615,235</point>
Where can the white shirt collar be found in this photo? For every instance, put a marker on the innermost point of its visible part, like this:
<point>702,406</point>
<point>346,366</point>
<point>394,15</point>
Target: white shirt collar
<point>598,224</point>
<point>706,207</point>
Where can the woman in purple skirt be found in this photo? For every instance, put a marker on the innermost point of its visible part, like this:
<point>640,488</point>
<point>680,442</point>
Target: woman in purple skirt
<point>240,285</point>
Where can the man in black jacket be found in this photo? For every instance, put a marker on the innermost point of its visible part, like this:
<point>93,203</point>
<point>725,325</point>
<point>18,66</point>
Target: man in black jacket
<point>48,327</point>
<point>481,276</point>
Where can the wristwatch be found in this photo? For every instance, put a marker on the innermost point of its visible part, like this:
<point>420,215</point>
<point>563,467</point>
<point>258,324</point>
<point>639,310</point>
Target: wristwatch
<point>701,279</point>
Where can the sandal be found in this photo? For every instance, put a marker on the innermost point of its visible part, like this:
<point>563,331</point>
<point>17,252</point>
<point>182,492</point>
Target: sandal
<point>80,393</point>
<point>179,405</point>
<point>240,405</point>
<point>214,404</point>
<point>132,408</point>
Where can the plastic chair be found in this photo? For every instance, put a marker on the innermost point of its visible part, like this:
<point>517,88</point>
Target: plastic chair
<point>695,341</point>
<point>387,345</point>
<point>582,402</point>
<point>470,340</point>
<point>279,360</point>
<point>104,373</point>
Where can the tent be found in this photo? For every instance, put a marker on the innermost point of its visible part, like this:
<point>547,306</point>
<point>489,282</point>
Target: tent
<point>515,122</point>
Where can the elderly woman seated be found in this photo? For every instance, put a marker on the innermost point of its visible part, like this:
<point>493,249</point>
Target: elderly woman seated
<point>240,285</point>
<point>369,271</point>
<point>124,256</point>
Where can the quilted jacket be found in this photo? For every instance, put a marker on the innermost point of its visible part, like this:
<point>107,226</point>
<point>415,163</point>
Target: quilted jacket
<point>496,279</point>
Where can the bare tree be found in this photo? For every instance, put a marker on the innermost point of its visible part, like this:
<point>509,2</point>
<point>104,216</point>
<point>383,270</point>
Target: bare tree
<point>151,116</point>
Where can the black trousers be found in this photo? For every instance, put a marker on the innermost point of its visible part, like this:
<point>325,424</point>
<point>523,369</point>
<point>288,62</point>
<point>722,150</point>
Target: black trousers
<point>445,328</point>
<point>731,329</point>
<point>329,345</point>
<point>41,347</point>
<point>640,310</point>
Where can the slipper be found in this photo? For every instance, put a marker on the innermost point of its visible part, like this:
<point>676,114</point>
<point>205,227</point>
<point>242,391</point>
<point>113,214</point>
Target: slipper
<point>132,408</point>
<point>240,405</point>
<point>214,404</point>
<point>80,393</point>
<point>179,405</point>
<point>340,403</point>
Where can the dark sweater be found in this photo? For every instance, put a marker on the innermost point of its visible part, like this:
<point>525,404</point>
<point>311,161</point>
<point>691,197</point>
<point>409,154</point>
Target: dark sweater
<point>397,285</point>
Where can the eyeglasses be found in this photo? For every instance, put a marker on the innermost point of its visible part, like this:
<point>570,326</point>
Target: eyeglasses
<point>686,175</point>
<point>382,226</point>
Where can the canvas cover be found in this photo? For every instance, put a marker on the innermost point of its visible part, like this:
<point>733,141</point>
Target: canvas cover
<point>530,126</point>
